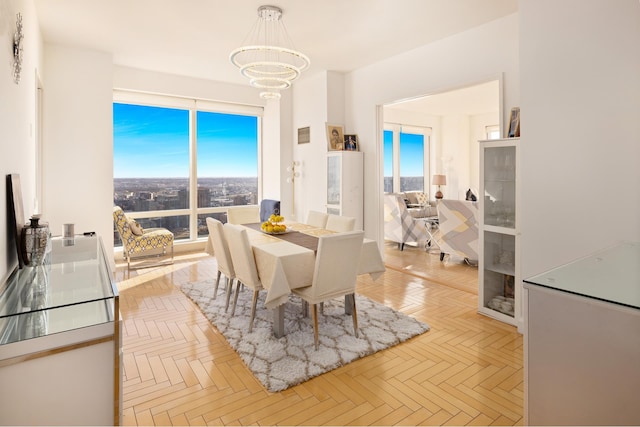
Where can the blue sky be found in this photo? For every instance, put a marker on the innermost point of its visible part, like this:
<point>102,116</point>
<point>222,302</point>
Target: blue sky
<point>151,142</point>
<point>411,154</point>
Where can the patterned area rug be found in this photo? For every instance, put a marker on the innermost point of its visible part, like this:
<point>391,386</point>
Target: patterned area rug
<point>279,363</point>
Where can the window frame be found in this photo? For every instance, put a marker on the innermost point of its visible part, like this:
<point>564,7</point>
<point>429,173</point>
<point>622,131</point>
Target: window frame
<point>396,129</point>
<point>193,105</point>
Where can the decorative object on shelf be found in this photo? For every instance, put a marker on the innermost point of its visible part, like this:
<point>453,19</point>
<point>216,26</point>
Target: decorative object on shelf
<point>17,49</point>
<point>35,241</point>
<point>16,213</point>
<point>335,137</point>
<point>439,180</point>
<point>293,174</point>
<point>268,58</point>
<point>514,123</point>
<point>351,142</point>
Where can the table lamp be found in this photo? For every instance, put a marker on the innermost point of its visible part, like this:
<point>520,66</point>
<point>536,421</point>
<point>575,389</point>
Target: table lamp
<point>439,180</point>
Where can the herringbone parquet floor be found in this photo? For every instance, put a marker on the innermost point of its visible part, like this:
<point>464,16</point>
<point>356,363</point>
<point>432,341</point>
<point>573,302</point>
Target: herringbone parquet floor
<point>467,370</point>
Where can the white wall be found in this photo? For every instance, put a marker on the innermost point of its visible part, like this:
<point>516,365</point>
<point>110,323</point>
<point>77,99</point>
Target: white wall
<point>477,55</point>
<point>78,141</point>
<point>18,119</point>
<point>311,107</point>
<point>580,62</point>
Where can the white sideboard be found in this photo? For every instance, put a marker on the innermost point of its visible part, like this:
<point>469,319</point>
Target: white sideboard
<point>60,340</point>
<point>582,341</point>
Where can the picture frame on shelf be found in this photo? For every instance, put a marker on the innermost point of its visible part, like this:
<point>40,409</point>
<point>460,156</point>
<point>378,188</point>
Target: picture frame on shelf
<point>351,142</point>
<point>335,137</point>
<point>514,123</point>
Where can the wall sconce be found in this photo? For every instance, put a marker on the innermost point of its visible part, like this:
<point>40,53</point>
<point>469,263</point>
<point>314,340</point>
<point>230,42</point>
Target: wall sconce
<point>293,173</point>
<point>439,180</point>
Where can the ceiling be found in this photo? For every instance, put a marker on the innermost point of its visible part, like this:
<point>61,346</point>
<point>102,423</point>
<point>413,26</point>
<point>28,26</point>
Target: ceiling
<point>194,37</point>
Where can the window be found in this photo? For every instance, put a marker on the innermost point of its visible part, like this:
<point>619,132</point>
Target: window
<point>177,161</point>
<point>406,158</point>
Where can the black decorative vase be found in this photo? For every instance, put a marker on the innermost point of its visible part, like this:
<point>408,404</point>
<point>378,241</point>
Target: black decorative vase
<point>35,241</point>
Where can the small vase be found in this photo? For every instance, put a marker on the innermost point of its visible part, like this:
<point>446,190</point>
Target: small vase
<point>35,241</point>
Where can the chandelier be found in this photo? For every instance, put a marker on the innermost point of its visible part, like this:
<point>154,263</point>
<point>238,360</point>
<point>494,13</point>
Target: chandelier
<point>267,57</point>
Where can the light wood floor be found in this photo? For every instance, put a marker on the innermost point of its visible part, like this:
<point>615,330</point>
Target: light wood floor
<point>467,370</point>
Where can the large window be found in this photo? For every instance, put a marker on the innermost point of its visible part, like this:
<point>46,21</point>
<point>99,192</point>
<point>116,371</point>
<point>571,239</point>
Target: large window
<point>177,161</point>
<point>406,158</point>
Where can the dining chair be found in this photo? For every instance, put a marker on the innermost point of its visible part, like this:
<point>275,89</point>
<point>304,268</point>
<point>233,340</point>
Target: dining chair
<point>243,214</point>
<point>223,257</point>
<point>334,274</point>
<point>340,223</point>
<point>269,207</point>
<point>317,219</point>
<point>244,265</point>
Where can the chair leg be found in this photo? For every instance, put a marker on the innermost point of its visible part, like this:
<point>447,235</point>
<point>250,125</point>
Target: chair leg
<point>235,297</point>
<point>355,316</point>
<point>254,303</point>
<point>229,291</point>
<point>314,314</point>
<point>442,254</point>
<point>402,246</point>
<point>215,287</point>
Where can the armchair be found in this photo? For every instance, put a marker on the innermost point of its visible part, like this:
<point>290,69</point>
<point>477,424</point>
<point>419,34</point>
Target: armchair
<point>458,229</point>
<point>400,226</point>
<point>142,242</point>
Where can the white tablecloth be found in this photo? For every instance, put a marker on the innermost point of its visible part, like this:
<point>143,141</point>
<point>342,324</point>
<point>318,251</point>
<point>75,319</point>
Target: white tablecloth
<point>283,266</point>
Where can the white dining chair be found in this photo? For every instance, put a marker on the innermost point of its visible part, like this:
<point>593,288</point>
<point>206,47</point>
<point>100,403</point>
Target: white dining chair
<point>244,265</point>
<point>340,223</point>
<point>317,219</point>
<point>335,274</point>
<point>243,214</point>
<point>223,257</point>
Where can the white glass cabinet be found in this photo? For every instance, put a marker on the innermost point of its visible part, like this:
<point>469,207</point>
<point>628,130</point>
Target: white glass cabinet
<point>500,287</point>
<point>345,185</point>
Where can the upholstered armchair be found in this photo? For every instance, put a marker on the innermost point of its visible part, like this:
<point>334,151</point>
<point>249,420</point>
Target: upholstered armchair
<point>142,243</point>
<point>400,226</point>
<point>458,229</point>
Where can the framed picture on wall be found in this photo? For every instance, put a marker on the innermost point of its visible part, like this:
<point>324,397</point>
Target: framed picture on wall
<point>351,142</point>
<point>514,123</point>
<point>335,137</point>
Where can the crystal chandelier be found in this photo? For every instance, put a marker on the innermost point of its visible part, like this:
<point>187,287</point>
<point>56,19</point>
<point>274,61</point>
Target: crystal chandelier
<point>267,57</point>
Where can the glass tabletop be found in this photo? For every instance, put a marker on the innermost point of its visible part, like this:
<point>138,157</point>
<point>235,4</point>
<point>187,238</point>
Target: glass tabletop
<point>612,275</point>
<point>74,272</point>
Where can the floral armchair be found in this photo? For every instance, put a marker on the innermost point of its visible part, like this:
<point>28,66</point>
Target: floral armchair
<point>400,226</point>
<point>141,243</point>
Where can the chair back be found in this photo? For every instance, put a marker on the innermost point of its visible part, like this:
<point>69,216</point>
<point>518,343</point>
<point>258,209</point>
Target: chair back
<point>399,225</point>
<point>243,214</point>
<point>244,262</point>
<point>340,223</point>
<point>122,225</point>
<point>336,267</point>
<point>220,247</point>
<point>458,228</point>
<point>269,207</point>
<point>317,219</point>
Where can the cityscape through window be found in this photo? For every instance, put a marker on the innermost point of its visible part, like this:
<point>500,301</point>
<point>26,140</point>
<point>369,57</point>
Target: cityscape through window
<point>154,178</point>
<point>406,159</point>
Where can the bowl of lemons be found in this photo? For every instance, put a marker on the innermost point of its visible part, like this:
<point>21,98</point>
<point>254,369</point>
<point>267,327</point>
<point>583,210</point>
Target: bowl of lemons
<point>274,225</point>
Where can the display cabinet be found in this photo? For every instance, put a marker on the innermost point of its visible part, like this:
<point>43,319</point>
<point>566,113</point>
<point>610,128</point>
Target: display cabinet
<point>60,339</point>
<point>345,185</point>
<point>500,287</point>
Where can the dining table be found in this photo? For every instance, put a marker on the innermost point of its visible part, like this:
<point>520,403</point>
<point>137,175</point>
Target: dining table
<point>286,261</point>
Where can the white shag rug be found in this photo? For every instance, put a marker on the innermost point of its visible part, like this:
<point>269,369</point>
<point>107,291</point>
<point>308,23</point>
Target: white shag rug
<point>279,363</point>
